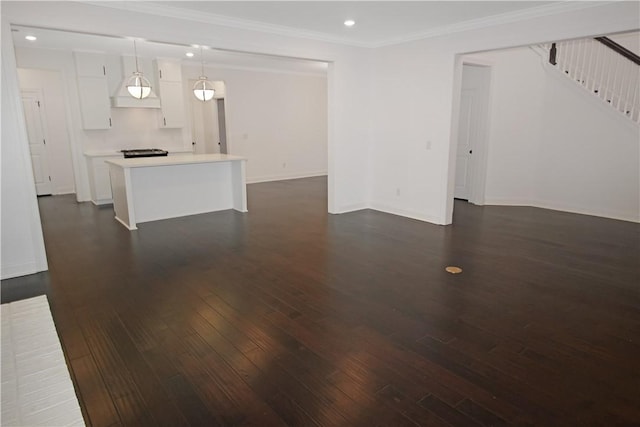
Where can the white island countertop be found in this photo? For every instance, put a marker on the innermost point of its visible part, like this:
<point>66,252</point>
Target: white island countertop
<point>178,159</point>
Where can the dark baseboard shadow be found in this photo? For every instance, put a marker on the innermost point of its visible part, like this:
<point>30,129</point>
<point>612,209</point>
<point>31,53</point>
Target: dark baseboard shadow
<point>19,288</point>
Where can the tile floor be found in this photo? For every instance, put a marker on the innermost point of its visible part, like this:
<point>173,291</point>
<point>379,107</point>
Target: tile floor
<point>36,386</point>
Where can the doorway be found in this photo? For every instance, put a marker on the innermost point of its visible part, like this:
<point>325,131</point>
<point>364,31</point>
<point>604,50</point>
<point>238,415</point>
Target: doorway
<point>32,103</point>
<point>208,123</point>
<point>473,122</point>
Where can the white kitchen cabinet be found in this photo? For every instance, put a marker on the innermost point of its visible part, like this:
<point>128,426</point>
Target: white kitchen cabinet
<point>90,64</point>
<point>171,104</point>
<point>93,90</point>
<point>99,180</point>
<point>171,93</point>
<point>169,70</point>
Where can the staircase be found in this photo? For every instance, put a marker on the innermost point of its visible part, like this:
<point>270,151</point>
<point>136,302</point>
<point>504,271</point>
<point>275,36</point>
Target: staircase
<point>604,68</point>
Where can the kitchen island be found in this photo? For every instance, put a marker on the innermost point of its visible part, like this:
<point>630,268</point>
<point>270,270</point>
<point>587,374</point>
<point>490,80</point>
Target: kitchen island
<point>153,188</point>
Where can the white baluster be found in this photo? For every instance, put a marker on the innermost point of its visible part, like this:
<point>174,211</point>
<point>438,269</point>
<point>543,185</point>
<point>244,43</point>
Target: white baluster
<point>581,64</point>
<point>608,77</point>
<point>589,67</point>
<point>600,70</point>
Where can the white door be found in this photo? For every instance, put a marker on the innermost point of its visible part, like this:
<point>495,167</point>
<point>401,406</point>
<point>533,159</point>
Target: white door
<point>197,126</point>
<point>37,141</point>
<point>472,126</point>
<point>204,126</point>
<point>465,148</point>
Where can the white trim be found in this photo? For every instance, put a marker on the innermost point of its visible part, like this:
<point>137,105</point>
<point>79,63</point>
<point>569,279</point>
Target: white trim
<point>125,224</point>
<point>268,178</point>
<point>603,213</point>
<point>508,202</point>
<point>562,207</point>
<point>212,69</point>
<point>352,207</point>
<point>407,213</point>
<point>245,24</point>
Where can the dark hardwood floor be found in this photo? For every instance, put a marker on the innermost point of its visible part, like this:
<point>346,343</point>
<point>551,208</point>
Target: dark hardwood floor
<point>290,316</point>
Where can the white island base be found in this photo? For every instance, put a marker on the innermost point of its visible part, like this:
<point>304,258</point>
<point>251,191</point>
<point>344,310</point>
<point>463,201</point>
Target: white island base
<point>153,188</point>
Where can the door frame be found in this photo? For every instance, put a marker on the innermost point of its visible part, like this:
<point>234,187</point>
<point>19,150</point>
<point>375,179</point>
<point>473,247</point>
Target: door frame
<point>481,149</point>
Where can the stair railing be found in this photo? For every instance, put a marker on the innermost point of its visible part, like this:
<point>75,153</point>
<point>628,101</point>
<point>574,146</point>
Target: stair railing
<point>604,68</point>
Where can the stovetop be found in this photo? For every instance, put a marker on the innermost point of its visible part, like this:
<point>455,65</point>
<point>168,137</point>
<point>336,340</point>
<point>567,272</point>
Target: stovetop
<point>144,152</point>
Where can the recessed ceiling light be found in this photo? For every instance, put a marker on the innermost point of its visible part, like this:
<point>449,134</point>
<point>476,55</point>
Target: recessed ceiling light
<point>349,22</point>
<point>31,38</point>
<point>189,54</point>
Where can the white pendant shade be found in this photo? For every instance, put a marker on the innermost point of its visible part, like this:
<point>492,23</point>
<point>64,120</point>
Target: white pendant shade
<point>203,89</point>
<point>138,86</point>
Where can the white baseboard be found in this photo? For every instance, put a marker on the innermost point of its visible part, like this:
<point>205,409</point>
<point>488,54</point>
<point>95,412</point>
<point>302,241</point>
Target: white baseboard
<point>420,216</point>
<point>62,191</point>
<point>603,213</point>
<point>350,208</point>
<point>562,207</point>
<point>269,178</point>
<point>506,202</point>
<point>10,271</point>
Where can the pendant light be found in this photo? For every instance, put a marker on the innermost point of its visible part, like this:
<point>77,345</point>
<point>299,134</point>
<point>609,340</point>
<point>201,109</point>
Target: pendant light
<point>138,86</point>
<point>203,89</point>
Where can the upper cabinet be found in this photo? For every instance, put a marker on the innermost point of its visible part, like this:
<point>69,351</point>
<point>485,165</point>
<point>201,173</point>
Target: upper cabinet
<point>93,90</point>
<point>169,70</point>
<point>169,74</point>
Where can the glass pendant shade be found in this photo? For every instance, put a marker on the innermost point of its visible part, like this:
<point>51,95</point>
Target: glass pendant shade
<point>203,89</point>
<point>138,86</point>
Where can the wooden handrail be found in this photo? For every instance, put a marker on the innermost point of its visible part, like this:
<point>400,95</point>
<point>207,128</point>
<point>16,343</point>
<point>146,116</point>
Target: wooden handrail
<point>619,48</point>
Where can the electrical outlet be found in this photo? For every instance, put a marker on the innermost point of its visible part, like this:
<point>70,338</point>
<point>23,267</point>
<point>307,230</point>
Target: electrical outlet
<point>284,165</point>
<point>397,191</point>
<point>428,145</point>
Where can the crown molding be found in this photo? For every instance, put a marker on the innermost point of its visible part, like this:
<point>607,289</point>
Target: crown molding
<point>491,21</point>
<point>225,66</point>
<point>244,24</point>
<point>226,21</point>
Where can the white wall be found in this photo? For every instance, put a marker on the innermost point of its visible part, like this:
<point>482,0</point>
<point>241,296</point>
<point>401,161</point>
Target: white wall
<point>589,158</point>
<point>55,122</point>
<point>22,245</point>
<point>277,120</point>
<point>516,124</point>
<point>554,145</point>
<point>419,83</point>
<point>630,41</point>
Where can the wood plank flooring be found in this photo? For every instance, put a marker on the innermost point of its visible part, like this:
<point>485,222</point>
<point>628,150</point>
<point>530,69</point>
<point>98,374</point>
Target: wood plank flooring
<point>290,316</point>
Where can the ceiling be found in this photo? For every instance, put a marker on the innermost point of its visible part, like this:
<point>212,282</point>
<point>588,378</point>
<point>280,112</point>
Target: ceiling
<point>377,22</point>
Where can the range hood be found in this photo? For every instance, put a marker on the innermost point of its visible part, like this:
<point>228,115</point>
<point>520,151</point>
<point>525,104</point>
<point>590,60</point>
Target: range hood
<point>123,99</point>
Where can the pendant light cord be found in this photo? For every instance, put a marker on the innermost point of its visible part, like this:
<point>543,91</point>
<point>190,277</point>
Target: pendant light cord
<point>201,62</point>
<point>135,51</point>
